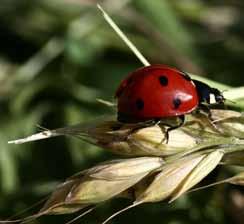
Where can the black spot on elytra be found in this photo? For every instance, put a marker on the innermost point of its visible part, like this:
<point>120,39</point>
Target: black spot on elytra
<point>163,80</point>
<point>176,103</point>
<point>186,76</point>
<point>139,104</point>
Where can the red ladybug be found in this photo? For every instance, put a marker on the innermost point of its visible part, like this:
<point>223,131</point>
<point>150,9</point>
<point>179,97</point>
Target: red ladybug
<point>158,91</point>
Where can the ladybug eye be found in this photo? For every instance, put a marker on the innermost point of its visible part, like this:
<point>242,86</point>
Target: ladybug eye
<point>176,103</point>
<point>163,80</point>
<point>139,104</point>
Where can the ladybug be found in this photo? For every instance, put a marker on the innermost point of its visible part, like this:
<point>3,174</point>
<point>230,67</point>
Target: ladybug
<point>155,92</point>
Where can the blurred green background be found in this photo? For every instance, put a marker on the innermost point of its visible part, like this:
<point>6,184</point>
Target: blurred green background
<point>58,56</point>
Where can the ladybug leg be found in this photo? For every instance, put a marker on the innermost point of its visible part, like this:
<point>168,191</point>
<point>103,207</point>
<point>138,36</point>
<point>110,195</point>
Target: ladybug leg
<point>207,116</point>
<point>206,109</point>
<point>166,138</point>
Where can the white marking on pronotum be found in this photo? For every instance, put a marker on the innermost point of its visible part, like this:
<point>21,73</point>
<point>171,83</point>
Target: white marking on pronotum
<point>123,37</point>
<point>212,99</point>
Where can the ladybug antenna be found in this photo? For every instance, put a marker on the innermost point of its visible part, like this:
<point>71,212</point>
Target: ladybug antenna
<point>123,37</point>
<point>228,100</point>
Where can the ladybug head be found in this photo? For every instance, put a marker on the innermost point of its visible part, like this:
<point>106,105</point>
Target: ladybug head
<point>219,98</point>
<point>205,92</point>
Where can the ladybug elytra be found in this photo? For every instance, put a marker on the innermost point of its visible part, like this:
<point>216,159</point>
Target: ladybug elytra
<point>158,91</point>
